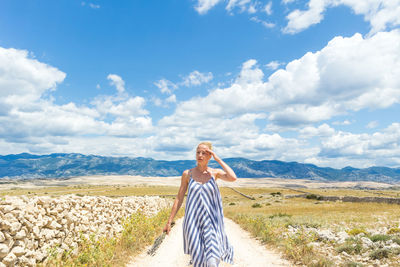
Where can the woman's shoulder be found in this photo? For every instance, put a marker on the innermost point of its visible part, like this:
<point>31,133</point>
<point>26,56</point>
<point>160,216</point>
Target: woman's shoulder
<point>214,172</point>
<point>186,173</point>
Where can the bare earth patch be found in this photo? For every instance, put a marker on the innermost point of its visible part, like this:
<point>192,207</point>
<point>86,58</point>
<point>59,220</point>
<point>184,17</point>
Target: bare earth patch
<point>175,181</point>
<point>247,251</point>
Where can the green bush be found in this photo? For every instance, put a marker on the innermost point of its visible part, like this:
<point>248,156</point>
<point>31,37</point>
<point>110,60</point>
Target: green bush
<point>379,254</point>
<point>392,231</point>
<point>351,246</point>
<point>256,205</point>
<point>313,196</point>
<point>279,215</point>
<point>356,231</point>
<point>379,237</point>
<point>276,194</point>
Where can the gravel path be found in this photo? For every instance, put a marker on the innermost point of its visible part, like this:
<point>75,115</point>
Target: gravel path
<point>247,251</point>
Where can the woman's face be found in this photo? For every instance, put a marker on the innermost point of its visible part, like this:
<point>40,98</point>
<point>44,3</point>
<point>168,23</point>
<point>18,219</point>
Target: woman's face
<point>202,154</point>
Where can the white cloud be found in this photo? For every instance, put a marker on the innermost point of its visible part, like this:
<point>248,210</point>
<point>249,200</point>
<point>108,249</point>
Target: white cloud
<point>323,130</point>
<point>273,65</point>
<point>241,4</point>
<point>117,82</point>
<point>287,1</point>
<point>249,6</point>
<point>372,124</point>
<point>349,74</point>
<point>24,80</point>
<point>345,122</point>
<point>166,86</point>
<point>30,116</point>
<point>94,6</point>
<point>380,147</point>
<point>196,78</point>
<point>268,8</point>
<point>171,99</point>
<point>266,24</point>
<point>381,14</point>
<point>203,6</point>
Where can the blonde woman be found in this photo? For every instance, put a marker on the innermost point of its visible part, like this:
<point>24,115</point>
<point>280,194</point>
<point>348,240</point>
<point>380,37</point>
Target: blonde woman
<point>204,235</point>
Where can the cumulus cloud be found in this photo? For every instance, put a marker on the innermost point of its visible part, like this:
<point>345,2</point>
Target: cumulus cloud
<point>166,86</point>
<point>379,147</point>
<point>381,14</point>
<point>29,114</point>
<point>249,6</point>
<point>345,122</point>
<point>372,124</point>
<point>268,8</point>
<point>266,24</point>
<point>203,6</point>
<point>273,65</point>
<point>117,82</point>
<point>196,78</point>
<point>348,74</point>
<point>24,80</point>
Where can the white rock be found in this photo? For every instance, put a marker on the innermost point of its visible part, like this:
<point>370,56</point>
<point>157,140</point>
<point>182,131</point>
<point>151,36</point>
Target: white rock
<point>18,251</point>
<point>326,234</point>
<point>40,255</point>
<point>55,225</point>
<point>36,231</point>
<point>366,241</point>
<point>15,227</point>
<point>342,236</point>
<point>4,249</point>
<point>24,261</point>
<point>10,259</point>
<point>2,237</point>
<point>20,235</point>
<point>5,225</point>
<point>2,264</point>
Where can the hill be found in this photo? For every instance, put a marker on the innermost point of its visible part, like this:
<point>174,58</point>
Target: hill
<point>28,166</point>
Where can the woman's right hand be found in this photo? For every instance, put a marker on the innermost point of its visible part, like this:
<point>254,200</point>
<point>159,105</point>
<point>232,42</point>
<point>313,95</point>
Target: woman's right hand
<point>167,228</point>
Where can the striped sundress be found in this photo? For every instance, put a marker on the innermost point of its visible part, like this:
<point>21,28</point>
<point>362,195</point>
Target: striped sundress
<point>204,235</point>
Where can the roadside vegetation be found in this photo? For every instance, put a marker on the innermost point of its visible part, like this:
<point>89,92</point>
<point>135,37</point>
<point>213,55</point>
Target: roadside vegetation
<point>139,232</point>
<point>307,231</point>
<point>311,232</point>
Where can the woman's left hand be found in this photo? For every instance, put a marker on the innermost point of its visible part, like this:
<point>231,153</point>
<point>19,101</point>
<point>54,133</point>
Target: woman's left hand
<point>213,155</point>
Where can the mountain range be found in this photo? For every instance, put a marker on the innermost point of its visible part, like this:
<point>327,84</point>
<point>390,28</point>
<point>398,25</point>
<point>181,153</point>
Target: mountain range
<point>28,166</point>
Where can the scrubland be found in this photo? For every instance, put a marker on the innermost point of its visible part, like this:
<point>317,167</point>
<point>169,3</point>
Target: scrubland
<point>308,232</point>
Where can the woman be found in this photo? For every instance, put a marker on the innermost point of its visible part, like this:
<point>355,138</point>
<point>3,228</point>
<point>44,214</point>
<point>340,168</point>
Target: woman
<point>204,235</point>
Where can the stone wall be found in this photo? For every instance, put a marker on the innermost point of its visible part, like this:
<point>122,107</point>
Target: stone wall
<point>29,227</point>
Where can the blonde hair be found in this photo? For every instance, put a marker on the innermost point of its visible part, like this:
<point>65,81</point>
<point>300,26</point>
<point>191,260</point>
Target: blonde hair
<point>207,144</point>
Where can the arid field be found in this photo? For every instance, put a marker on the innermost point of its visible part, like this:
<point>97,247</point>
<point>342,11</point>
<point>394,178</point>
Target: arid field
<point>288,216</point>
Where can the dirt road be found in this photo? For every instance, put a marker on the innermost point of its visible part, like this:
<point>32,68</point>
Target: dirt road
<point>247,251</point>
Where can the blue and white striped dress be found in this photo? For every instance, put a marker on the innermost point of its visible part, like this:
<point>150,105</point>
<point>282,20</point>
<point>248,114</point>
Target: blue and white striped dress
<point>204,235</point>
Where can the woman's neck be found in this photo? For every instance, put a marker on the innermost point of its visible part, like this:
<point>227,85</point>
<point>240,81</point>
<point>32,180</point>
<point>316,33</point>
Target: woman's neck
<point>202,168</point>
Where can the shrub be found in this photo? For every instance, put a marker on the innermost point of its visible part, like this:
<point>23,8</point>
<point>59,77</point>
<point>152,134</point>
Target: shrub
<point>392,231</point>
<point>379,254</point>
<point>256,205</point>
<point>313,196</point>
<point>379,237</point>
<point>279,215</point>
<point>351,246</point>
<point>276,194</point>
<point>231,204</point>
<point>396,240</point>
<point>356,231</point>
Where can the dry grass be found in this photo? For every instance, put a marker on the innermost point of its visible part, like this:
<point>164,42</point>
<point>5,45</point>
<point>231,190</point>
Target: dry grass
<point>275,214</point>
<point>270,218</point>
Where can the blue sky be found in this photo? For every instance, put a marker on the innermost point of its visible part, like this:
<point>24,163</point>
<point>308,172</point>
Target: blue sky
<point>313,81</point>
